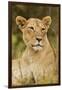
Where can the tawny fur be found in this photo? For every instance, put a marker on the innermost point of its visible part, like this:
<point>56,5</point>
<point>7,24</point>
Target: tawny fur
<point>38,63</point>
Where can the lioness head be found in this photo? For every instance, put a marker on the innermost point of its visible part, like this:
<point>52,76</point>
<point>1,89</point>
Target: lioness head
<point>34,31</point>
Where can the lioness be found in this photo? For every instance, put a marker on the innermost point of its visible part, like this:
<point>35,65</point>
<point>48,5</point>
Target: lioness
<point>38,63</point>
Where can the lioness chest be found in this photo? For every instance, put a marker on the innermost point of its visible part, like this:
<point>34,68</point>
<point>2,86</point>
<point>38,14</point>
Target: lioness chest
<point>36,68</point>
<point>39,66</point>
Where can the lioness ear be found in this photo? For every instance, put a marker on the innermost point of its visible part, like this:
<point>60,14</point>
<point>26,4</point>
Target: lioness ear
<point>20,21</point>
<point>47,21</point>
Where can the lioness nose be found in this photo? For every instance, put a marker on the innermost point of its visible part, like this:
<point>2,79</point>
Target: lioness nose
<point>39,39</point>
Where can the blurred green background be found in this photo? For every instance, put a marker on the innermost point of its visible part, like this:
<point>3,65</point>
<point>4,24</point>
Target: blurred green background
<point>36,11</point>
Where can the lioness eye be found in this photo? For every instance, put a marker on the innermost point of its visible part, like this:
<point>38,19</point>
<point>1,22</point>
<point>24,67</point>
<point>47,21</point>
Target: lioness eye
<point>31,28</point>
<point>43,28</point>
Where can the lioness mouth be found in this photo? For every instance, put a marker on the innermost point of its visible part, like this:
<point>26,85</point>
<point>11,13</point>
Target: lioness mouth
<point>37,45</point>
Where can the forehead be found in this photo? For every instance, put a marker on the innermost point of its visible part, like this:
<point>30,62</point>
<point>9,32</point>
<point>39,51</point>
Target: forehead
<point>34,22</point>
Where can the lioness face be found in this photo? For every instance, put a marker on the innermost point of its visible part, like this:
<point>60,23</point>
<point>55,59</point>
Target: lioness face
<point>34,31</point>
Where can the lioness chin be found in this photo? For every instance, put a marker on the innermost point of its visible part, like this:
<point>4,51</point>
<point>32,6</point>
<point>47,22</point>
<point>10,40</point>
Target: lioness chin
<point>38,63</point>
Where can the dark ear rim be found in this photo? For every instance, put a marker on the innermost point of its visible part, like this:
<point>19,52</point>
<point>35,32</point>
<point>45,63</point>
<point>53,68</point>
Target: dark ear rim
<point>20,20</point>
